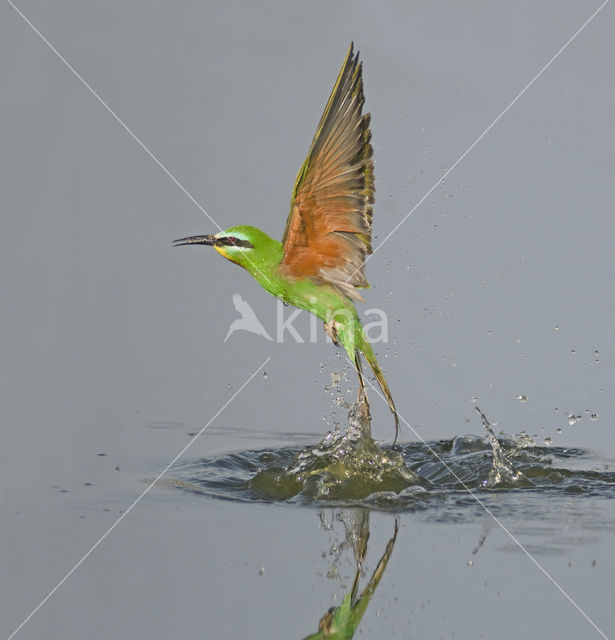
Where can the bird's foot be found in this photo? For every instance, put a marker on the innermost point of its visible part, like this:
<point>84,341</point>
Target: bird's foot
<point>332,331</point>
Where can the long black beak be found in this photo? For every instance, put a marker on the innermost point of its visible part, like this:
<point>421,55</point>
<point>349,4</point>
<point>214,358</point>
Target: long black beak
<point>210,240</point>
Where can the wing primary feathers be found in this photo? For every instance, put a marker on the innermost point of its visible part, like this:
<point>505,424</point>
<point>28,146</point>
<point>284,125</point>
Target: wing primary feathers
<point>328,231</point>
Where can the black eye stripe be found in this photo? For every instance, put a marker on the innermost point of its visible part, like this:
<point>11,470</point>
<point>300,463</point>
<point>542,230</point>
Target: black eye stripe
<point>232,241</point>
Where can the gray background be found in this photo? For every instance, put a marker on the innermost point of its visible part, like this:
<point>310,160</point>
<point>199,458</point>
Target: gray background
<point>499,284</point>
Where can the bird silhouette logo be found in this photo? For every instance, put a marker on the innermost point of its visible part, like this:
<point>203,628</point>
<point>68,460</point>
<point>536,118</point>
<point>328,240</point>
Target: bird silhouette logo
<point>248,321</point>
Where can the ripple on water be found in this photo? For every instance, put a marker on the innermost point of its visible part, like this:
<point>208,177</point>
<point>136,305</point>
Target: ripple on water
<point>445,476</point>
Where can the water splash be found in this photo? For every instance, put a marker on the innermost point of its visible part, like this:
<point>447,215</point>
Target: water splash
<point>502,470</point>
<point>350,465</point>
<point>350,469</point>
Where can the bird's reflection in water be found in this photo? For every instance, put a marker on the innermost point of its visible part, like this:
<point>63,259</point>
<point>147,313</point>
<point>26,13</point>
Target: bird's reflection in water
<point>342,622</point>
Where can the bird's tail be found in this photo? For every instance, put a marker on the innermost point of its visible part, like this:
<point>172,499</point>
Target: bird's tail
<point>363,346</point>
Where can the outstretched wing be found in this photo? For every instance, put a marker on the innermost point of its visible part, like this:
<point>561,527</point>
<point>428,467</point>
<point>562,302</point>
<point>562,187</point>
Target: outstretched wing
<point>328,232</point>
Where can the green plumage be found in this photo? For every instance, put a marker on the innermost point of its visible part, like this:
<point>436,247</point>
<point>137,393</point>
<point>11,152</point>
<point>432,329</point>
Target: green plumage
<point>320,264</point>
<point>325,301</point>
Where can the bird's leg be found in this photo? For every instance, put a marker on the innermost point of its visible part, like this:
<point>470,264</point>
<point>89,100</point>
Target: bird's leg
<point>331,328</point>
<point>357,363</point>
<point>362,401</point>
<point>332,331</point>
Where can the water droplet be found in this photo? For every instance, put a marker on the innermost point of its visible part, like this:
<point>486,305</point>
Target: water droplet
<point>594,417</point>
<point>557,327</point>
<point>547,442</point>
<point>474,399</point>
<point>522,398</point>
<point>469,563</point>
<point>265,375</point>
<point>261,571</point>
<point>572,419</point>
<point>558,430</point>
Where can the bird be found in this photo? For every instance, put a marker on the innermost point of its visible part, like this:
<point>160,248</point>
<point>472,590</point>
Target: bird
<point>342,621</point>
<point>319,265</point>
<point>248,321</point>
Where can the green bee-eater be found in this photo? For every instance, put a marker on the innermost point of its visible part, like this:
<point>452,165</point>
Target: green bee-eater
<point>340,623</point>
<point>319,265</point>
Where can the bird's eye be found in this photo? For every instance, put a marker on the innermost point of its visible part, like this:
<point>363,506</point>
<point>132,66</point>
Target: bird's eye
<point>232,241</point>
